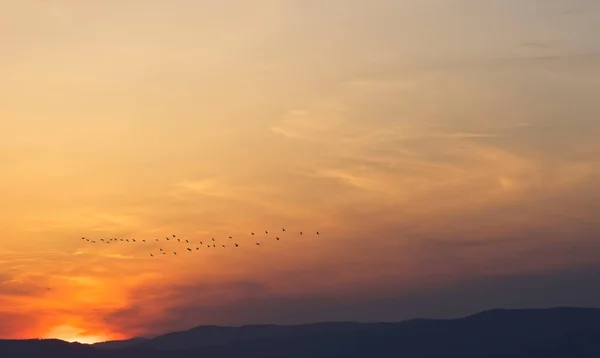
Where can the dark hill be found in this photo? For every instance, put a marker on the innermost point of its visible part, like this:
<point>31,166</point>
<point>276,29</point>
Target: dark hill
<point>47,348</point>
<point>119,344</point>
<point>204,336</point>
<point>544,333</point>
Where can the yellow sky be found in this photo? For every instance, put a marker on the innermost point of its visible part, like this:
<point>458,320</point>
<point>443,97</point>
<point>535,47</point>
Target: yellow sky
<point>430,142</point>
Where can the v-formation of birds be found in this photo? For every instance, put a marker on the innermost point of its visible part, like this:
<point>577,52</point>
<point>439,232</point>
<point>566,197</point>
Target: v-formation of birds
<point>195,246</point>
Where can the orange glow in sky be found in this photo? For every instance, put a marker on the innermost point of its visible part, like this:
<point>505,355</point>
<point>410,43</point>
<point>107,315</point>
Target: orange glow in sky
<point>71,334</point>
<point>438,147</point>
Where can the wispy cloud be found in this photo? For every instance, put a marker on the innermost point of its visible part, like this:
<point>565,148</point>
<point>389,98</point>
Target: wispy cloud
<point>207,187</point>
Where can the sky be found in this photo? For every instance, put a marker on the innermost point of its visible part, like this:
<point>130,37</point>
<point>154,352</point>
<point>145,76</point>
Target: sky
<point>446,150</point>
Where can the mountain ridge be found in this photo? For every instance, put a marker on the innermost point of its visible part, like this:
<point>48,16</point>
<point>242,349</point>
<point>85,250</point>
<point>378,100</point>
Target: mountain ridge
<point>532,333</point>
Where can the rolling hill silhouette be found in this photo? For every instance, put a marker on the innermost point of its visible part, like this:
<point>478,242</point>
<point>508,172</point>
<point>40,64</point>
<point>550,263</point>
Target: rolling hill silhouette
<point>119,344</point>
<point>531,333</point>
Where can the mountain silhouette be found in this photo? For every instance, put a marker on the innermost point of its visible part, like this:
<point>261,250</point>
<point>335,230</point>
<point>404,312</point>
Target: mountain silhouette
<point>119,344</point>
<point>531,333</point>
<point>205,336</point>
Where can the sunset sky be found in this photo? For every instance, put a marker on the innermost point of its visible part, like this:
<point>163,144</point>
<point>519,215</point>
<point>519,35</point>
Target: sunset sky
<point>448,151</point>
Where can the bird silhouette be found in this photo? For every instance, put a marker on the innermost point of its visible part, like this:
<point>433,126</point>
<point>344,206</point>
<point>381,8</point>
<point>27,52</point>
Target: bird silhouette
<point>143,240</point>
<point>83,238</point>
<point>277,238</point>
<point>236,245</point>
<point>213,239</point>
<point>282,229</point>
<point>175,253</point>
<point>258,244</point>
<point>300,232</point>
<point>187,242</point>
<point>252,233</point>
<point>266,232</point>
<point>317,233</point>
<point>190,250</point>
<point>102,240</point>
<point>231,237</point>
<point>152,255</point>
<point>173,235</point>
<point>201,243</point>
<point>161,249</point>
<point>178,240</point>
<point>197,248</point>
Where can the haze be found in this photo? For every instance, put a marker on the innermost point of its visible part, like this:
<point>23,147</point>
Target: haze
<point>447,151</point>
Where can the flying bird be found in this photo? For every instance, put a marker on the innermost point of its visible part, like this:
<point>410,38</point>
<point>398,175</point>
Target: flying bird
<point>282,229</point>
<point>258,244</point>
<point>252,233</point>
<point>300,232</point>
<point>266,232</point>
<point>152,255</point>
<point>190,250</point>
<point>236,245</point>
<point>277,238</point>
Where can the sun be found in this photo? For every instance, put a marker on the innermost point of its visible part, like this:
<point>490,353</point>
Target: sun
<point>71,334</point>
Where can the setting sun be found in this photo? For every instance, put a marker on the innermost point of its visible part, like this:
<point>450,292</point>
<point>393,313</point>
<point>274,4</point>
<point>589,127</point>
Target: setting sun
<point>72,334</point>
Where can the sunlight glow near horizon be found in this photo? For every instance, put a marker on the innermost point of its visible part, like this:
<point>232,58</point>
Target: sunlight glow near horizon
<point>72,335</point>
<point>434,144</point>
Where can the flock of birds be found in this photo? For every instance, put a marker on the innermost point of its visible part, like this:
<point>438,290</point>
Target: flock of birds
<point>189,245</point>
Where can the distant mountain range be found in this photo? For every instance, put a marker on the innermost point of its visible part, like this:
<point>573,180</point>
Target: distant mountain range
<point>531,333</point>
